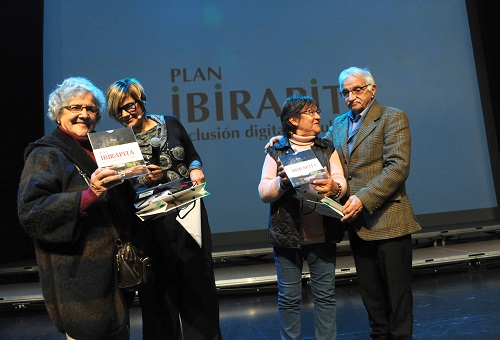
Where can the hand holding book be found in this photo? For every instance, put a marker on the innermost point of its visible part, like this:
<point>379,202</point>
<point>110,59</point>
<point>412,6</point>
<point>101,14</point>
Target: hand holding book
<point>155,174</point>
<point>303,169</point>
<point>118,150</point>
<point>169,200</point>
<point>284,180</point>
<point>327,187</point>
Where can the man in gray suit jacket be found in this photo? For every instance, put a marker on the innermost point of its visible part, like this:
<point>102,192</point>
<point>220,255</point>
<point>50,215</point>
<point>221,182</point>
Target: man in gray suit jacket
<point>374,145</point>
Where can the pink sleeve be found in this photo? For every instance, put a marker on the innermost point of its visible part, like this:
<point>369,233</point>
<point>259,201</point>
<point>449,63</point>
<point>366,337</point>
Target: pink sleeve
<point>88,199</point>
<point>269,186</point>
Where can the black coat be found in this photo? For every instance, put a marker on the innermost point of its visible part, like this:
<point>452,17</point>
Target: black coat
<point>75,252</point>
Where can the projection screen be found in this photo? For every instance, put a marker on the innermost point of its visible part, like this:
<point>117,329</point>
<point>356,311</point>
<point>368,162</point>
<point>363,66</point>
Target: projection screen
<point>225,67</point>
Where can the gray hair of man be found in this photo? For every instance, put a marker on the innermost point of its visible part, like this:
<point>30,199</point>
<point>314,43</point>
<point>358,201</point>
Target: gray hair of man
<point>356,72</point>
<point>74,87</point>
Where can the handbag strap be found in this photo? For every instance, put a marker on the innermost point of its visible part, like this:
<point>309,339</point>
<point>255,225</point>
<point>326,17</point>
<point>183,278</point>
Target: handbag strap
<point>103,211</point>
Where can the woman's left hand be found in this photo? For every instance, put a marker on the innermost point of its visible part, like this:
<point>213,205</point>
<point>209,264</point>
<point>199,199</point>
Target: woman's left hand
<point>197,176</point>
<point>155,173</point>
<point>326,186</point>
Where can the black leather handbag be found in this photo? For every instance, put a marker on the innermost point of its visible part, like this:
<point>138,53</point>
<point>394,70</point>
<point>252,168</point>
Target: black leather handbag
<point>132,268</point>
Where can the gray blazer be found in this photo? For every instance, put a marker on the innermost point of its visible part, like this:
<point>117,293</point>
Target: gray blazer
<point>376,171</point>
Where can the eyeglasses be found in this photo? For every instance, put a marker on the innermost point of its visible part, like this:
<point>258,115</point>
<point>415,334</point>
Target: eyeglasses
<point>79,108</point>
<point>311,112</point>
<point>355,90</point>
<point>129,107</point>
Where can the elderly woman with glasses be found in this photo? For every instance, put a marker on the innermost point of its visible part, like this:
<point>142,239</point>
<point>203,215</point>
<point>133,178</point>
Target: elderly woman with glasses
<point>181,298</point>
<point>298,233</point>
<point>65,204</point>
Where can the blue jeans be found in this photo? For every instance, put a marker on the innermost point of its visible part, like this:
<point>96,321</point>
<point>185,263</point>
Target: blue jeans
<point>321,260</point>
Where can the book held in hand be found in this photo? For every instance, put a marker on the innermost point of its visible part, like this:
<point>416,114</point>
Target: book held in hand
<point>302,167</point>
<point>170,201</point>
<point>118,150</point>
<point>319,203</point>
<point>143,192</point>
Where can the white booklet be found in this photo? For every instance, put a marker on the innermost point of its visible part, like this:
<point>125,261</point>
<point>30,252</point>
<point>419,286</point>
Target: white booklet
<point>118,150</point>
<point>302,167</point>
<point>319,203</point>
<point>168,201</point>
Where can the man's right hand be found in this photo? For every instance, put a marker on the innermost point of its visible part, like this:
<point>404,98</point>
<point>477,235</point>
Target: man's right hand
<point>352,208</point>
<point>271,143</point>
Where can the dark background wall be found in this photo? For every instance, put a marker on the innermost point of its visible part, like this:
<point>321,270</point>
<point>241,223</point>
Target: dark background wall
<point>23,102</point>
<point>23,106</point>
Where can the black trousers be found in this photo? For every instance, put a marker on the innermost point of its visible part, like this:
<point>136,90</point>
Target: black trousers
<point>180,301</point>
<point>383,269</point>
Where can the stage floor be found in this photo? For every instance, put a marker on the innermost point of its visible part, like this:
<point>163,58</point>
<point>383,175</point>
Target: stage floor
<point>258,271</point>
<point>456,287</point>
<point>447,305</point>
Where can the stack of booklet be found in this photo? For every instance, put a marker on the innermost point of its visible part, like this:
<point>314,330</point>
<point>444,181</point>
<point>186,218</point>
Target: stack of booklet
<point>319,203</point>
<point>172,199</point>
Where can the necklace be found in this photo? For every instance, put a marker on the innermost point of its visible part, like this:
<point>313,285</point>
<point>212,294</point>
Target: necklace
<point>147,124</point>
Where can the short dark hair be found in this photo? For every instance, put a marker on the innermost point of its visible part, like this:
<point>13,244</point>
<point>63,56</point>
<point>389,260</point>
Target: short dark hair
<point>292,107</point>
